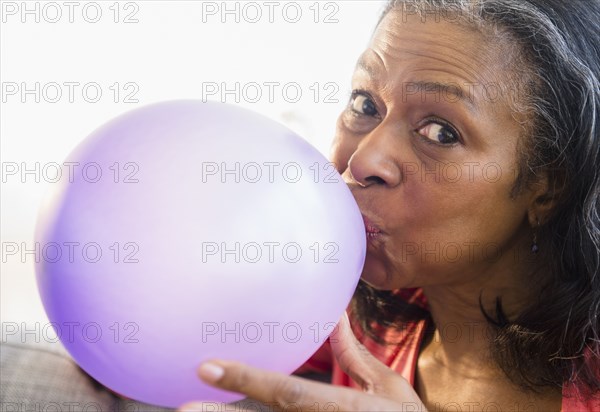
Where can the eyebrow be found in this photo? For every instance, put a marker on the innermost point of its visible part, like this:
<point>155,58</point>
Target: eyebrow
<point>365,67</point>
<point>440,89</point>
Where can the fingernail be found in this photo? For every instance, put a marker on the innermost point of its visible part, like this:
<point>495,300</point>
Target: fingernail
<point>210,372</point>
<point>189,407</point>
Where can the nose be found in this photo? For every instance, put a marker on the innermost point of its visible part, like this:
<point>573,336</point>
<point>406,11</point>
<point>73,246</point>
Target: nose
<point>373,163</point>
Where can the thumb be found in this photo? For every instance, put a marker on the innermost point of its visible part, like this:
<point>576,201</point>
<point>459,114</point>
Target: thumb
<point>358,363</point>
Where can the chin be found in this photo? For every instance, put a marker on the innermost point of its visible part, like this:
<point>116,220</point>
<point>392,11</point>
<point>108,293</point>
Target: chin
<point>376,276</point>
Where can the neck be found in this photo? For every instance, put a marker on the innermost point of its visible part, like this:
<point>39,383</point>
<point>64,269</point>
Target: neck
<point>462,333</point>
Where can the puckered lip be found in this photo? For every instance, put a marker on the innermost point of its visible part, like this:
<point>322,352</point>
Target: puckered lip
<point>370,227</point>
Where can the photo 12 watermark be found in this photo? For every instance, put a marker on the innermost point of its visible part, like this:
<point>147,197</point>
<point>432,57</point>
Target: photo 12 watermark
<point>264,331</point>
<point>267,172</point>
<point>268,252</point>
<point>450,12</point>
<point>453,172</point>
<point>469,92</point>
<point>252,405</point>
<point>483,407</point>
<point>71,252</point>
<point>270,91</point>
<point>65,406</point>
<point>69,172</point>
<point>470,251</point>
<point>70,92</point>
<point>56,12</point>
<point>70,332</point>
<point>252,12</point>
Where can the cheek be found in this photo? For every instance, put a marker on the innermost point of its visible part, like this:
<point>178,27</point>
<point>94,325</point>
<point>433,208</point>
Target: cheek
<point>448,196</point>
<point>438,216</point>
<point>445,229</point>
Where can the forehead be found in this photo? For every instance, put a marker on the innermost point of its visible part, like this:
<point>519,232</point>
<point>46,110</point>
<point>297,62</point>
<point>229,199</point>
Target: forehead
<point>406,49</point>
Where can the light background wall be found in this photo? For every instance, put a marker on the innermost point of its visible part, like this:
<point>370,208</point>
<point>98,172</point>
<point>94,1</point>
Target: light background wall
<point>142,52</point>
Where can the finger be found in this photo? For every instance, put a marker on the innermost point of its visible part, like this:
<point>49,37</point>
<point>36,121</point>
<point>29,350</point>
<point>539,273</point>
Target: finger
<point>364,368</point>
<point>284,392</point>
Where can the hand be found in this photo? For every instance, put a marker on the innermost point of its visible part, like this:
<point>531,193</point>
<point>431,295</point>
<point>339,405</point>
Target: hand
<point>382,388</point>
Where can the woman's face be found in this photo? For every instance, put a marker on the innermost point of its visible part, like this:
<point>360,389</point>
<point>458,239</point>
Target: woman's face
<point>428,145</point>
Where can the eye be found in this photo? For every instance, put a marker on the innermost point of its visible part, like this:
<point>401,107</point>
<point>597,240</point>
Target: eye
<point>438,132</point>
<point>362,103</point>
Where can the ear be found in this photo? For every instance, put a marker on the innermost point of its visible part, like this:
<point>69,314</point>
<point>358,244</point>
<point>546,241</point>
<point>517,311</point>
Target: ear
<point>546,194</point>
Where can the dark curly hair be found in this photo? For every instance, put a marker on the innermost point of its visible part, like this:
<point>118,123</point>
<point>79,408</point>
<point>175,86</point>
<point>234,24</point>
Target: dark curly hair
<point>556,338</point>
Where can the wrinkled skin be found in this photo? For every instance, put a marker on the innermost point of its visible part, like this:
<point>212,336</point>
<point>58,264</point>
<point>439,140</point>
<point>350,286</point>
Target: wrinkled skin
<point>429,147</point>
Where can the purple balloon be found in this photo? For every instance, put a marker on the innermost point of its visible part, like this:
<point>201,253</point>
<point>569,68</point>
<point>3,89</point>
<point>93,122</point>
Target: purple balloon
<point>186,231</point>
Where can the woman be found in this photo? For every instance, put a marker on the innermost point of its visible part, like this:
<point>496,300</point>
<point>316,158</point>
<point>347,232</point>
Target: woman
<point>471,144</point>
